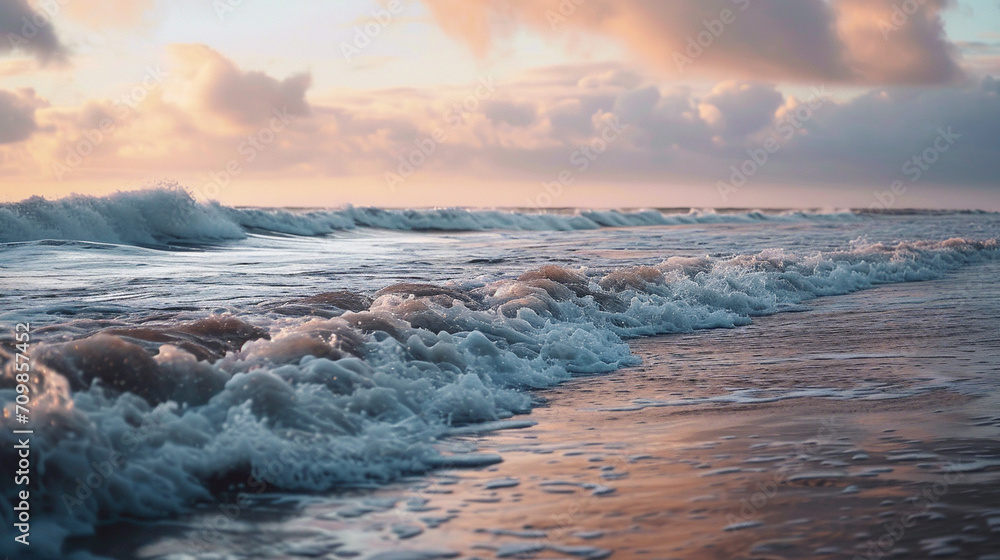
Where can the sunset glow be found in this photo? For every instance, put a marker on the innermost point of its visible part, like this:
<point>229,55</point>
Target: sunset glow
<point>483,103</point>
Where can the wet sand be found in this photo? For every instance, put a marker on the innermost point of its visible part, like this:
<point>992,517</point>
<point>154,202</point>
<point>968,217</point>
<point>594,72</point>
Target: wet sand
<point>846,430</point>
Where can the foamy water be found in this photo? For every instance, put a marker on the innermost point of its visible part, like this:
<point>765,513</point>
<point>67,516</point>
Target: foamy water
<point>209,347</point>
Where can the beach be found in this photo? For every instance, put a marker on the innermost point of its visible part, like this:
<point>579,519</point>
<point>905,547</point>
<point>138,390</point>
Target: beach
<point>847,429</point>
<point>572,279</point>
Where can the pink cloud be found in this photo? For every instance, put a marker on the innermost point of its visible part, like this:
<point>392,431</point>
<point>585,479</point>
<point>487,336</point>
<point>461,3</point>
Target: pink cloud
<point>246,98</point>
<point>806,40</point>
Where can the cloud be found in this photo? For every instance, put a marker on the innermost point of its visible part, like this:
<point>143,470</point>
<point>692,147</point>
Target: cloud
<point>677,135</point>
<point>525,131</point>
<point>888,45</point>
<point>17,114</point>
<point>24,29</point>
<point>218,87</point>
<point>514,114</point>
<point>616,77</point>
<point>743,108</point>
<point>100,14</point>
<point>873,135</point>
<point>16,67</point>
<point>197,115</point>
<point>806,40</point>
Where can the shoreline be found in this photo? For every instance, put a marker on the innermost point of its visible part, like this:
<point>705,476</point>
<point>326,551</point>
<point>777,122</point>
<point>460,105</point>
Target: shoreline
<point>779,480</point>
<point>711,448</point>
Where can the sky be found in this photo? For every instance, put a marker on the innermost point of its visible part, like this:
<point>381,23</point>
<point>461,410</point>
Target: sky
<point>506,103</point>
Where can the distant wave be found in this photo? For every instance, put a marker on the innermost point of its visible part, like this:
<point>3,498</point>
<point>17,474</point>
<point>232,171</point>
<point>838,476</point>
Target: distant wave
<point>170,216</point>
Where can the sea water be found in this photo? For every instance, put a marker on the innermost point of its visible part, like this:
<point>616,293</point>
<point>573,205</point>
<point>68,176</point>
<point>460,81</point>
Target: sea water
<point>182,351</point>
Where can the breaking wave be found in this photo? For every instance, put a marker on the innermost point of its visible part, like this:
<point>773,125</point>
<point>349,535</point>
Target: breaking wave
<point>170,216</point>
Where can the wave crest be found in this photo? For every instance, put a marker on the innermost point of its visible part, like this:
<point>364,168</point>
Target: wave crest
<point>169,216</point>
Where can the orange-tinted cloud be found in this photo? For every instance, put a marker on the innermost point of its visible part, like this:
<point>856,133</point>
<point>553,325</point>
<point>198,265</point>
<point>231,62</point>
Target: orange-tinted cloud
<point>217,86</point>
<point>108,13</point>
<point>524,130</point>
<point>860,41</point>
<point>889,45</point>
<point>17,66</point>
<point>193,114</point>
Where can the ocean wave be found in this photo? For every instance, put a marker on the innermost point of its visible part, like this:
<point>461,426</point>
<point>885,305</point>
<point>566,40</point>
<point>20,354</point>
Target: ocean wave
<point>168,216</point>
<point>339,388</point>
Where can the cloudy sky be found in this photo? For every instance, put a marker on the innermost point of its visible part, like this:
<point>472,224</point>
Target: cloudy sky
<point>611,103</point>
